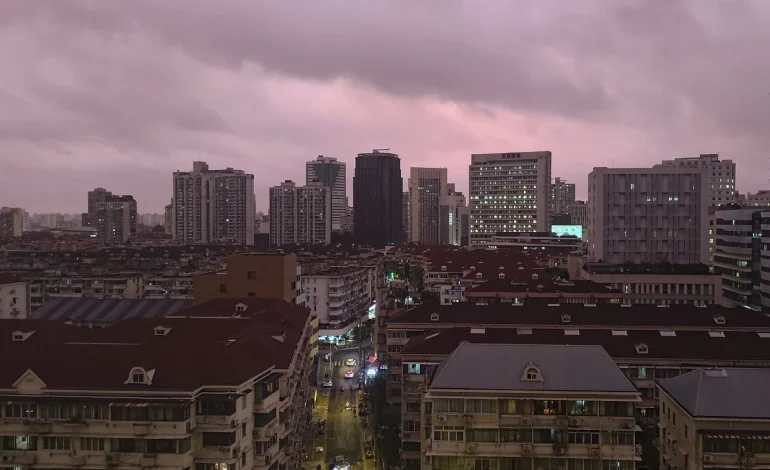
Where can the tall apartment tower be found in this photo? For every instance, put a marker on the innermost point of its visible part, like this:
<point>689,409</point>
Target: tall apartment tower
<point>648,215</point>
<point>720,175</point>
<point>11,222</point>
<point>451,210</point>
<point>426,186</point>
<point>89,219</point>
<point>405,215</point>
<point>168,218</point>
<point>300,214</point>
<point>562,195</point>
<point>332,174</point>
<point>213,206</point>
<point>377,199</point>
<point>509,192</point>
<point>115,219</point>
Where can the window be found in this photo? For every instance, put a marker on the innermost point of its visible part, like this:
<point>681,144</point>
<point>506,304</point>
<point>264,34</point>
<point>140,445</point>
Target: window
<point>448,405</point>
<point>161,446</point>
<point>550,407</point>
<point>19,442</point>
<point>515,435</point>
<point>138,377</point>
<point>582,408</point>
<point>56,412</point>
<point>21,410</point>
<point>685,431</point>
<point>412,407</point>
<point>532,374</point>
<point>411,426</point>
<point>617,464</point>
<point>583,438</point>
<point>92,444</point>
<point>448,433</point>
<point>616,408</point>
<point>546,436</point>
<point>515,407</point>
<point>482,435</point>
<point>92,412</point>
<point>251,275</point>
<point>618,438</point>
<point>223,288</point>
<point>481,406</point>
<point>56,443</point>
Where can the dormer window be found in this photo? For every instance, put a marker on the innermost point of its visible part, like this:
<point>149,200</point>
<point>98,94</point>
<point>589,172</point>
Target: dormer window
<point>501,267</point>
<point>443,268</point>
<point>140,376</point>
<point>161,330</point>
<point>566,319</point>
<point>473,268</point>
<point>532,374</point>
<point>478,275</point>
<point>501,276</point>
<point>642,348</point>
<point>719,320</point>
<point>521,268</point>
<point>240,307</point>
<point>534,277</point>
<point>20,336</point>
<point>434,316</point>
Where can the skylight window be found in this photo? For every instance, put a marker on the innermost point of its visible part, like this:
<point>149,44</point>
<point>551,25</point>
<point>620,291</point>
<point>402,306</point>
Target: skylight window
<point>532,374</point>
<point>566,319</point>
<point>161,330</point>
<point>478,331</point>
<point>619,333</point>
<point>667,333</point>
<point>140,376</point>
<point>720,320</point>
<point>717,334</point>
<point>642,348</point>
<point>571,332</point>
<point>764,335</point>
<point>524,331</point>
<point>434,316</point>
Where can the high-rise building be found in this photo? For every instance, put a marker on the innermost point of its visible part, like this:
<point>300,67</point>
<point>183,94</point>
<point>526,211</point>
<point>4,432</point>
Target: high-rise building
<point>451,207</point>
<point>405,215</point>
<point>562,195</point>
<point>213,206</point>
<point>89,218</point>
<point>509,192</point>
<point>11,222</point>
<point>347,222</point>
<point>759,199</point>
<point>377,199</point>
<point>720,175</point>
<point>169,218</point>
<point>115,219</point>
<point>426,186</point>
<point>648,215</point>
<point>300,214</point>
<point>332,174</point>
<point>262,223</point>
<point>578,215</point>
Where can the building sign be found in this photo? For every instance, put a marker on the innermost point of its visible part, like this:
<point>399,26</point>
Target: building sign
<point>573,230</point>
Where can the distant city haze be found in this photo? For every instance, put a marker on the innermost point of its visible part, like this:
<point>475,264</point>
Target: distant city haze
<point>120,95</point>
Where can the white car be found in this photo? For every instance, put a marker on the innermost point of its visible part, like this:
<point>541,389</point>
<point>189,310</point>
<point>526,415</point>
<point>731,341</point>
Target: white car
<point>327,383</point>
<point>349,374</point>
<point>350,362</point>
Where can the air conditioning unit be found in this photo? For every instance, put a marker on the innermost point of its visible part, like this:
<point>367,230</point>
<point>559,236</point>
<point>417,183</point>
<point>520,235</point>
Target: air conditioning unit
<point>442,418</point>
<point>234,423</point>
<point>236,452</point>
<point>9,458</point>
<point>189,426</point>
<point>559,449</point>
<point>526,449</point>
<point>708,458</point>
<point>561,422</point>
<point>596,453</point>
<point>467,419</point>
<point>574,422</point>
<point>113,459</point>
<point>526,421</point>
<point>628,425</point>
<point>471,448</point>
<point>748,461</point>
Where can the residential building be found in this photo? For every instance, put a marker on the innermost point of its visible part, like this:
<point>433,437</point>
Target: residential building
<point>452,206</point>
<point>332,174</point>
<point>89,219</point>
<point>263,275</point>
<point>262,223</point>
<point>149,411</point>
<point>656,284</point>
<point>300,215</point>
<point>340,297</point>
<point>426,187</point>
<point>509,192</point>
<point>11,222</point>
<point>562,195</point>
<point>648,215</point>
<point>535,241</point>
<point>347,220</point>
<point>169,218</point>
<point>715,418</point>
<point>720,175</point>
<point>557,406</point>
<point>739,256</point>
<point>377,199</point>
<point>540,290</point>
<point>405,215</point>
<point>579,215</point>
<point>115,219</point>
<point>14,297</point>
<point>213,206</point>
<point>759,199</point>
<point>101,312</point>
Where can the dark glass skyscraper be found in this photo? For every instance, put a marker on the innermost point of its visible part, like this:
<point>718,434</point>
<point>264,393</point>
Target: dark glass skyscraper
<point>377,199</point>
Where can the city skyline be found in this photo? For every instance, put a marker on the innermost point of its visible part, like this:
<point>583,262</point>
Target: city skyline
<point>123,97</point>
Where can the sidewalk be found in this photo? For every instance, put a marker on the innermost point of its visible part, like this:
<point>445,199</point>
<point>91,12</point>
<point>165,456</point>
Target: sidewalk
<point>320,412</point>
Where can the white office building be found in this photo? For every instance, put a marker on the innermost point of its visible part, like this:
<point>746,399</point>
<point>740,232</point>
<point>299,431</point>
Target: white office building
<point>300,214</point>
<point>452,207</point>
<point>331,173</point>
<point>648,215</point>
<point>509,192</point>
<point>213,206</point>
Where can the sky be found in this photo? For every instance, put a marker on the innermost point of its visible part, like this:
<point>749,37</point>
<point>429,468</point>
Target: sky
<point>121,94</point>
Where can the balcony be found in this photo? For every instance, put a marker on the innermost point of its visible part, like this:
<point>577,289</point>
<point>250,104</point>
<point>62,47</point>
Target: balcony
<point>220,453</point>
<point>267,403</point>
<point>18,457</point>
<point>141,460</point>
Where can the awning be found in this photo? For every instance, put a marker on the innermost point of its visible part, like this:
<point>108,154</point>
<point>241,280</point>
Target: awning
<point>750,437</point>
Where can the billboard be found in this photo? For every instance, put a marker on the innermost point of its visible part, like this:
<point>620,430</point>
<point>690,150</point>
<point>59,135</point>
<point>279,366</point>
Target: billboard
<point>574,230</point>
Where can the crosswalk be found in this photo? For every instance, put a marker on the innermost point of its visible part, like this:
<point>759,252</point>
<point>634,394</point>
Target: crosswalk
<point>339,363</point>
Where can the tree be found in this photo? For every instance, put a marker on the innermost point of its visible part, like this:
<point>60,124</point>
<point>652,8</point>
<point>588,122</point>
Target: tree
<point>429,297</point>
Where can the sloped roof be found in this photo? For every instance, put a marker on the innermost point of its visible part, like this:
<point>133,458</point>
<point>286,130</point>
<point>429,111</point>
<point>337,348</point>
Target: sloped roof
<point>502,367</point>
<point>722,393</point>
<point>79,309</point>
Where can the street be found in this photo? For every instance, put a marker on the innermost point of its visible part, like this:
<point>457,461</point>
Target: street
<point>343,433</point>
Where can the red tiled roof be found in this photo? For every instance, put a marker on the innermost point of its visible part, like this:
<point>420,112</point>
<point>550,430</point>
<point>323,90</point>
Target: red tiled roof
<point>542,284</point>
<point>196,351</point>
<point>697,346</point>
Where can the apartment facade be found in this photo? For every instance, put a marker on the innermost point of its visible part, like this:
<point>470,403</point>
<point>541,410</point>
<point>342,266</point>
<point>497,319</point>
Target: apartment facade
<point>759,199</point>
<point>332,174</point>
<point>11,222</point>
<point>267,276</point>
<point>377,199</point>
<point>151,413</point>
<point>115,219</point>
<point>168,218</point>
<point>14,298</point>
<point>578,213</point>
<point>452,207</point>
<point>509,192</point>
<point>300,214</point>
<point>709,419</point>
<point>648,215</point>
<point>426,187</point>
<point>405,215</point>
<point>339,297</point>
<point>545,413</point>
<point>213,206</point>
<point>720,175</point>
<point>562,195</point>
